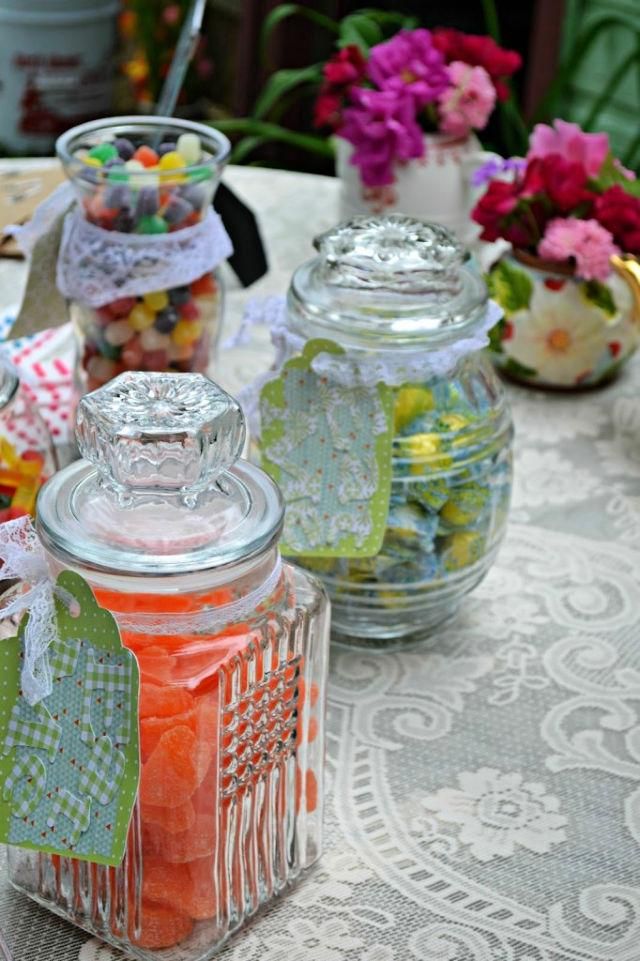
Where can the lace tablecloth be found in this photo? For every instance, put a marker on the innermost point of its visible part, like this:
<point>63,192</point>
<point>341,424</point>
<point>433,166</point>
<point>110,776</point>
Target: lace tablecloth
<point>483,794</point>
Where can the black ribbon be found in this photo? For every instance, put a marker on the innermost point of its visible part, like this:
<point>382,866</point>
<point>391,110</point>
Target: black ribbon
<point>249,260</point>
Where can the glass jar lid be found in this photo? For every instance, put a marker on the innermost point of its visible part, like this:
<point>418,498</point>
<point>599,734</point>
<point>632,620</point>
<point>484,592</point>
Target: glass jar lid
<point>161,489</point>
<point>388,281</point>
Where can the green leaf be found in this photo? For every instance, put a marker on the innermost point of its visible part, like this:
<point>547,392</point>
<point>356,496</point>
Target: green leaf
<point>245,147</point>
<point>495,336</point>
<point>600,296</point>
<point>281,82</point>
<point>515,369</point>
<point>249,127</point>
<point>609,175</point>
<point>361,30</point>
<point>285,10</point>
<point>510,286</point>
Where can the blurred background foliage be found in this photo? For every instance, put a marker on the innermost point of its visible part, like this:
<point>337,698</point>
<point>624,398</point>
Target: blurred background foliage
<point>257,67</point>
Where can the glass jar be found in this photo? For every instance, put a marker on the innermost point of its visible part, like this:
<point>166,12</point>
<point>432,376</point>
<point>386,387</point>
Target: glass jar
<point>178,539</point>
<point>26,451</point>
<point>168,327</point>
<point>405,302</point>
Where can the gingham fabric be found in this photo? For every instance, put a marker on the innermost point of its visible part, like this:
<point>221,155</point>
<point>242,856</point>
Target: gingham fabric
<point>25,785</point>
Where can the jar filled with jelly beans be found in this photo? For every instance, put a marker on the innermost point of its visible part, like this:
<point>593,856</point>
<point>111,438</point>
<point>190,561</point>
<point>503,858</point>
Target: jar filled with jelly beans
<point>143,179</point>
<point>404,301</point>
<point>26,452</point>
<point>178,538</point>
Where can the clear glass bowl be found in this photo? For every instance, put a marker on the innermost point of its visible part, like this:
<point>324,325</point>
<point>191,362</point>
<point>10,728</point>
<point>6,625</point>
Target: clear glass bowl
<point>178,539</point>
<point>171,329</point>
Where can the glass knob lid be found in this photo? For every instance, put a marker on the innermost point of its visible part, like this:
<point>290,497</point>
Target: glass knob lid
<point>392,251</point>
<point>162,432</point>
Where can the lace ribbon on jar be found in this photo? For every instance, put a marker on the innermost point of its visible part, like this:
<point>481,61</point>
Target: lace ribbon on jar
<point>354,368</point>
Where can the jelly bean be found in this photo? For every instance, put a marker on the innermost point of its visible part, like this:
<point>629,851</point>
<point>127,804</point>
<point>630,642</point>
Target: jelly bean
<point>103,152</point>
<point>146,156</point>
<point>132,354</point>
<point>171,161</point>
<point>141,318</point>
<point>148,202</point>
<point>153,340</point>
<point>118,333</point>
<point>152,225</point>
<point>156,300</point>
<point>155,360</point>
<point>204,285</point>
<point>104,315</point>
<point>180,352</point>
<point>117,196</point>
<point>124,147</point>
<point>196,196</point>
<point>111,351</point>
<point>166,320</point>
<point>121,307</point>
<point>134,166</point>
<point>101,369</point>
<point>189,147</point>
<point>190,311</point>
<point>166,147</point>
<point>177,211</point>
<point>114,162</point>
<point>179,296</point>
<point>186,332</point>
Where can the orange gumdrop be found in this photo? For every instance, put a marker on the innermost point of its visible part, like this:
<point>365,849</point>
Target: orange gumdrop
<point>201,902</point>
<point>152,729</point>
<point>163,701</point>
<point>312,730</point>
<point>155,663</point>
<point>173,820</point>
<point>311,790</point>
<point>170,775</point>
<point>160,926</point>
<point>198,841</point>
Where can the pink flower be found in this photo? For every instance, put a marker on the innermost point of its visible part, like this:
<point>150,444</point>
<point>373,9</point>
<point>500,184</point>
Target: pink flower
<point>409,63</point>
<point>585,241</point>
<point>382,127</point>
<point>568,140</point>
<point>468,103</point>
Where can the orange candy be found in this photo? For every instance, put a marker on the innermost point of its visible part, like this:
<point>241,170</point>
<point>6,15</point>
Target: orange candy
<point>172,820</point>
<point>311,790</point>
<point>160,926</point>
<point>198,841</point>
<point>204,285</point>
<point>170,775</point>
<point>163,701</point>
<point>152,729</point>
<point>146,156</point>
<point>190,885</point>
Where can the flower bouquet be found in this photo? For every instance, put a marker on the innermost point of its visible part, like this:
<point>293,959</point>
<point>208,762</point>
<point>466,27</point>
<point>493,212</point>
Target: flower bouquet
<point>405,114</point>
<point>569,288</point>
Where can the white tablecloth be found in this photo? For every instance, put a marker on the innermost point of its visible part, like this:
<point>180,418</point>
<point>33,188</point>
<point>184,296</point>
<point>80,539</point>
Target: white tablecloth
<point>483,794</point>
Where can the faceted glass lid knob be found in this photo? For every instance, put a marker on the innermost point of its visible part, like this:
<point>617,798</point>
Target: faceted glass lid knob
<point>171,433</point>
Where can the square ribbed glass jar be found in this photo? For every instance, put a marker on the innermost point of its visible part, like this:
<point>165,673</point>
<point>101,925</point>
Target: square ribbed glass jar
<point>178,539</point>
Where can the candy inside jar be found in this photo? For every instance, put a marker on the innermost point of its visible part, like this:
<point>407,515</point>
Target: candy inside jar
<point>145,243</point>
<point>177,538</point>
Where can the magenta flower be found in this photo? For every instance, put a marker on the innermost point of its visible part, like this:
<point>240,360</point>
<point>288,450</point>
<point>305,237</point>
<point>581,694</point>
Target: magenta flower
<point>572,143</point>
<point>586,241</point>
<point>409,62</point>
<point>382,127</point>
<point>468,103</point>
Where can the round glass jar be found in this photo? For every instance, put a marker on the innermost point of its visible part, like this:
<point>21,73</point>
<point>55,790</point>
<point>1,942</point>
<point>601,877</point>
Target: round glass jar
<point>172,327</point>
<point>178,539</point>
<point>404,300</point>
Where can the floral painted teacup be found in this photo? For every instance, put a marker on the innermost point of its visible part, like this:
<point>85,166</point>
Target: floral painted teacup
<point>558,330</point>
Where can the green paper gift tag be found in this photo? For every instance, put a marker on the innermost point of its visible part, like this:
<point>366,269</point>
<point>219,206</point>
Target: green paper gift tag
<point>69,766</point>
<point>329,448</point>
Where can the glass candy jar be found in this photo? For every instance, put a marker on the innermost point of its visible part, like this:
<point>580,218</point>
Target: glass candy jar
<point>179,540</point>
<point>404,301</point>
<point>26,451</point>
<point>139,254</point>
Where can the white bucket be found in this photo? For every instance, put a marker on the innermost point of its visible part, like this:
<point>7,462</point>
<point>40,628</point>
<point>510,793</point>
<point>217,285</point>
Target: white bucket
<point>56,69</point>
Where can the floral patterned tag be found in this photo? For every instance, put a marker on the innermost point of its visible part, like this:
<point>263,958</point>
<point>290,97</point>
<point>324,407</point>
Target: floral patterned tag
<point>328,446</point>
<point>69,765</point>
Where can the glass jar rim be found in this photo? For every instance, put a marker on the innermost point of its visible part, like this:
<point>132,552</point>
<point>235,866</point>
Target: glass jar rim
<point>68,142</point>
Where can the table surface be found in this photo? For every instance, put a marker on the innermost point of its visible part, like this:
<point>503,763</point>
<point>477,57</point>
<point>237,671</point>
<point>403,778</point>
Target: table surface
<point>483,793</point>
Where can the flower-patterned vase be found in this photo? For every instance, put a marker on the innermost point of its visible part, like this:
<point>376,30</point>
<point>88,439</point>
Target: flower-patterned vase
<point>560,331</point>
<point>436,188</point>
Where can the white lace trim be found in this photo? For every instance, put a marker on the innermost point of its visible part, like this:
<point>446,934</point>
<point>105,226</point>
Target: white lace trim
<point>96,266</point>
<point>23,558</point>
<point>353,368</point>
<point>44,218</point>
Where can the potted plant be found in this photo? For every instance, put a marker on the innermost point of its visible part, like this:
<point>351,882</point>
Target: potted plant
<point>405,113</point>
<point>569,286</point>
